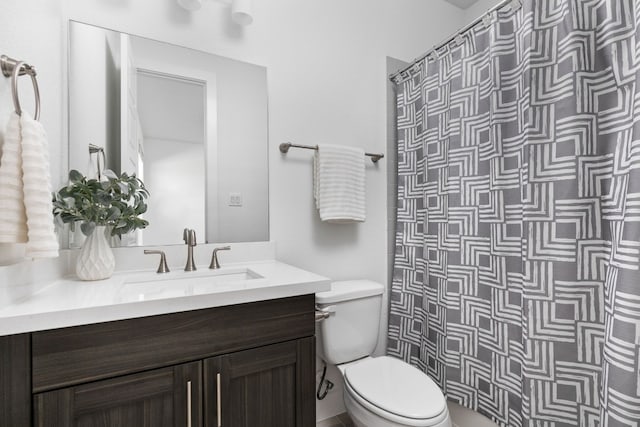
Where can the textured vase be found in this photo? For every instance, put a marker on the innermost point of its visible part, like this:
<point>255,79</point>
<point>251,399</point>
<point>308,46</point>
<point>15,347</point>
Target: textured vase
<point>95,261</point>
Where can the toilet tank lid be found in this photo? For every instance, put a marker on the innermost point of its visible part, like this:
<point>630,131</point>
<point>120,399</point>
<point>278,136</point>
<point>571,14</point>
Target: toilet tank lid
<point>349,290</point>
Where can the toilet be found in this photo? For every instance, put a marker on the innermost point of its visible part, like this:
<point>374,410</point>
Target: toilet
<point>378,391</point>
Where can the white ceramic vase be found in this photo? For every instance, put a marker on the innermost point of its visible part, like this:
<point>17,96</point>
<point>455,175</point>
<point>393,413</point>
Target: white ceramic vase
<point>95,260</point>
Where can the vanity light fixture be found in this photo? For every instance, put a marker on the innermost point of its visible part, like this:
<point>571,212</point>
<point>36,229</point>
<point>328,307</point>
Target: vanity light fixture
<point>190,5</point>
<point>240,9</point>
<point>241,12</point>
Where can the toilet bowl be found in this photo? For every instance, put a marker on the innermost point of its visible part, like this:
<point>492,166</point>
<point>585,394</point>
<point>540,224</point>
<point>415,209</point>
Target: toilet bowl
<point>378,391</point>
<point>384,391</point>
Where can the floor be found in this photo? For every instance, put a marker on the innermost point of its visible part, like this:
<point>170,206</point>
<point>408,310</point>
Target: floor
<point>463,417</point>
<point>341,420</point>
<point>460,417</point>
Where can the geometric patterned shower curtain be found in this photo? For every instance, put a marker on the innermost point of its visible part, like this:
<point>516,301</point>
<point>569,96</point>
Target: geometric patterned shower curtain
<point>516,282</point>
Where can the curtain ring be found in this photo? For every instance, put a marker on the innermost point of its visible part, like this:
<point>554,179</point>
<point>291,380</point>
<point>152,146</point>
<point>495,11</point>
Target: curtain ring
<point>22,67</point>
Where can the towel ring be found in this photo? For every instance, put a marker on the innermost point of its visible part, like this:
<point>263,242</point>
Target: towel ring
<point>14,69</point>
<point>93,149</point>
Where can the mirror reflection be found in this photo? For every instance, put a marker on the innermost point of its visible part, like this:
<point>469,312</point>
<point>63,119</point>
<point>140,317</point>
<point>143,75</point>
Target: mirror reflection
<point>191,125</point>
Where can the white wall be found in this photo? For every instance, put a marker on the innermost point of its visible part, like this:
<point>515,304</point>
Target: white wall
<point>326,64</point>
<point>171,107</point>
<point>478,9</point>
<point>172,192</point>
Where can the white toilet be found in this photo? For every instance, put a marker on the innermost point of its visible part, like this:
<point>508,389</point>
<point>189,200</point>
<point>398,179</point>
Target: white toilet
<point>378,391</point>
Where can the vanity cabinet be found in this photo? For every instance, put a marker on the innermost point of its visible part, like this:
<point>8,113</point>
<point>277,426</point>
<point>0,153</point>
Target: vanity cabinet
<point>242,365</point>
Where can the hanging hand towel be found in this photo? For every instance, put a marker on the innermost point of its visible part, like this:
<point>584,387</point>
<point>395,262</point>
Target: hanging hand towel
<point>36,178</point>
<point>13,219</point>
<point>339,183</point>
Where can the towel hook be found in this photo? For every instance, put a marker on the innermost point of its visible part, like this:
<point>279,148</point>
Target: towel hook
<point>13,68</point>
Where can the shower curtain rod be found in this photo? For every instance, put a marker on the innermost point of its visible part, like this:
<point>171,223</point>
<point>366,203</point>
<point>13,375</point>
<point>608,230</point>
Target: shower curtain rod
<point>503,3</point>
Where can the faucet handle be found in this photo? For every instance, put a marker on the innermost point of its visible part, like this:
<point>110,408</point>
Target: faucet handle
<point>162,267</point>
<point>214,257</point>
<point>189,236</point>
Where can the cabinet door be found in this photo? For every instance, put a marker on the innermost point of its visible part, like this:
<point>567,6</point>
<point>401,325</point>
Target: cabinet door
<point>158,398</point>
<point>15,380</point>
<point>271,386</point>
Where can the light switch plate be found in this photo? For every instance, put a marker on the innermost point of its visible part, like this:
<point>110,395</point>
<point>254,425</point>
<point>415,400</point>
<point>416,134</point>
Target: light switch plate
<point>235,199</point>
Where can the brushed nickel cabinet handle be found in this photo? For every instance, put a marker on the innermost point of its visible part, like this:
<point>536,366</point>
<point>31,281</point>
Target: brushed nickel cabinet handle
<point>218,391</point>
<point>188,403</point>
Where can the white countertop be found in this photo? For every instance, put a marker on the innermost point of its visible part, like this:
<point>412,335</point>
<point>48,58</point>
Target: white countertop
<point>71,302</point>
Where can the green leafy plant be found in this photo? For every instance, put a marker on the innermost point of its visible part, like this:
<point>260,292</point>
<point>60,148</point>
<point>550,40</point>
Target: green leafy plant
<point>116,202</point>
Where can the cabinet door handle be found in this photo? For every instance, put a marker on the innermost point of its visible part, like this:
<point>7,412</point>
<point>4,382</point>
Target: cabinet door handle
<point>188,403</point>
<point>219,399</point>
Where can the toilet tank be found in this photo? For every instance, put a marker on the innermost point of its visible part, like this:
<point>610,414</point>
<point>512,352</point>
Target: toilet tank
<point>351,330</point>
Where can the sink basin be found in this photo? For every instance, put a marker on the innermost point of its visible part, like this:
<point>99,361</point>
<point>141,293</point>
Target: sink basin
<point>148,286</point>
<point>207,276</point>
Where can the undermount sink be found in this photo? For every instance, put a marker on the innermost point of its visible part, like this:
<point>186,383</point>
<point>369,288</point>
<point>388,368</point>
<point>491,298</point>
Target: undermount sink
<point>204,276</point>
<point>146,286</point>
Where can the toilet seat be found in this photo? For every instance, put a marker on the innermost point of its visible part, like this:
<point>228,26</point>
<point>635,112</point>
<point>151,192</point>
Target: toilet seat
<point>396,391</point>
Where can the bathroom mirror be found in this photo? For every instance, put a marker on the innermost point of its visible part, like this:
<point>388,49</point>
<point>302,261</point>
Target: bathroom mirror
<point>190,124</point>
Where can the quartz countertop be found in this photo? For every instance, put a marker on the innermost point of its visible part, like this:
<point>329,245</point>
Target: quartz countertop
<point>71,302</point>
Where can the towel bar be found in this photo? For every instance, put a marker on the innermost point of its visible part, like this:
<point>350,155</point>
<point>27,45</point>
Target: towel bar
<point>284,148</point>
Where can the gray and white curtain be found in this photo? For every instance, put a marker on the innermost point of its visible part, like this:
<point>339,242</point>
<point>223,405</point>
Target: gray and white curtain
<point>516,281</point>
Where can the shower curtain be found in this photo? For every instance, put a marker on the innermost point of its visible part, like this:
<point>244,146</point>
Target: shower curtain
<point>516,282</point>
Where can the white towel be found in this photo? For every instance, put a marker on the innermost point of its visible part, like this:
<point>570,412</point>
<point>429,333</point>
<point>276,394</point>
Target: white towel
<point>13,218</point>
<point>36,178</point>
<point>339,183</point>
<point>25,188</point>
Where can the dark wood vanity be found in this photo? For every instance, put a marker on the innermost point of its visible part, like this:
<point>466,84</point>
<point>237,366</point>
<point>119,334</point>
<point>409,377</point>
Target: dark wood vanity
<point>243,365</point>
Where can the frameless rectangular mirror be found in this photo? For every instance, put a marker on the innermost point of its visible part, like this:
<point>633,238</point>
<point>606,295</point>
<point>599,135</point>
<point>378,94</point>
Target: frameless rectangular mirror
<point>191,125</point>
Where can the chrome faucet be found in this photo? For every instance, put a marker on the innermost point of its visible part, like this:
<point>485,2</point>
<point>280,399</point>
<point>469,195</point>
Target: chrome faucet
<point>189,237</point>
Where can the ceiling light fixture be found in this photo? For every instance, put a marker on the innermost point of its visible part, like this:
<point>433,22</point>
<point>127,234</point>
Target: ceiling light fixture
<point>240,9</point>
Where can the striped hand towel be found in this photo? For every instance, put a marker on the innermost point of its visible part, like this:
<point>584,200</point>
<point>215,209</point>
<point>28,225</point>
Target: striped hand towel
<point>13,218</point>
<point>36,178</point>
<point>339,183</point>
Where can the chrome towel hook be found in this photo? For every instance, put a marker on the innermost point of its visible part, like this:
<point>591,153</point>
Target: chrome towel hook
<point>13,68</point>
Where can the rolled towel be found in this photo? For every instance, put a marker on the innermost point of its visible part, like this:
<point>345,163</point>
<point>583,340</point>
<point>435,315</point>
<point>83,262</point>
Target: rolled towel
<point>13,219</point>
<point>339,183</point>
<point>36,178</point>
